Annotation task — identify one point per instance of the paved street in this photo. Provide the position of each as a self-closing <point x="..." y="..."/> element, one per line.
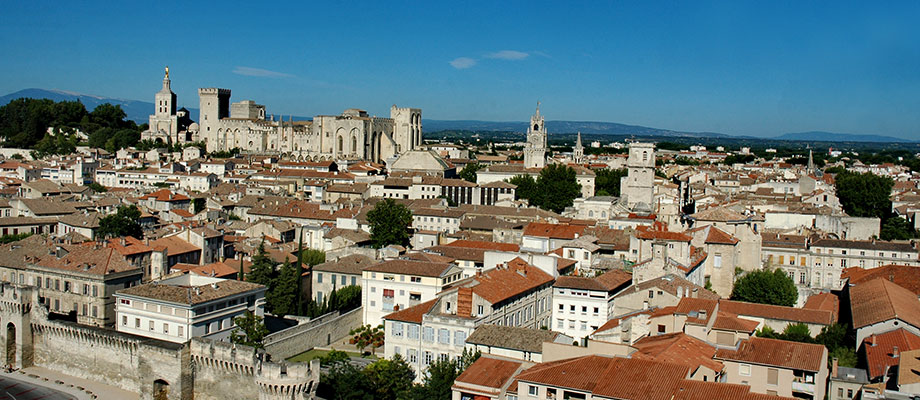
<point x="14" y="389"/>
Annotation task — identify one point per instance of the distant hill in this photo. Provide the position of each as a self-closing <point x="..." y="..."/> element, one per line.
<point x="137" y="111"/>
<point x="819" y="136"/>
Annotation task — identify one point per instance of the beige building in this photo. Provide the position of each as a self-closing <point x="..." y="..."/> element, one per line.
<point x="777" y="367"/>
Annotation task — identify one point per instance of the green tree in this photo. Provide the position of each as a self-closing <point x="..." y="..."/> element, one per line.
<point x="108" y="115"/>
<point x="864" y="195"/>
<point x="96" y="187"/>
<point x="389" y="222"/>
<point x="797" y="333"/>
<point x="281" y="298"/>
<point x="313" y="257"/>
<point x="846" y="357"/>
<point x="896" y="228"/>
<point x="198" y="204"/>
<point x="122" y="223"/>
<point x="332" y="357"/>
<point x="367" y="336"/>
<point x="468" y="173"/>
<point x="768" y="332"/>
<point x="250" y="330"/>
<point x="440" y="377"/>
<point x="390" y="379"/>
<point x="607" y="181"/>
<point x="526" y="187"/>
<point x="558" y="187"/>
<point x="14" y="237"/>
<point x="766" y="287"/>
<point x="262" y="270"/>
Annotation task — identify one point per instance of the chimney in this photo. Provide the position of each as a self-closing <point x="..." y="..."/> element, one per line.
<point x="834" y="367"/>
<point x="465" y="301"/>
<point x="894" y="352"/>
<point x="702" y="314"/>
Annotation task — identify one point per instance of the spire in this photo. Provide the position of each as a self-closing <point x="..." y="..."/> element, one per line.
<point x="538" y="108"/>
<point x="578" y="141"/>
<point x="811" y="162"/>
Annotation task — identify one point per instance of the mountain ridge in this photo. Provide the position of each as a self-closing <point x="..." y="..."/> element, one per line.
<point x="139" y="112"/>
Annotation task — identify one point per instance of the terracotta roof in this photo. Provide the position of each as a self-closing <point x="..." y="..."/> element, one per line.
<point x="478" y="244"/>
<point x="678" y="348"/>
<point x="717" y="236"/>
<point x="880" y="300"/>
<point x="612" y="377"/>
<point x="553" y="231"/>
<point x="182" y="213"/>
<point x="670" y="283"/>
<point x="511" y="337"/>
<point x="505" y="282"/>
<point x="173" y="245"/>
<point x="352" y="264"/>
<point x="779" y="353"/>
<point x="609" y="281"/>
<point x="718" y="214"/>
<point x="879" y="349"/>
<point x="489" y="372"/>
<point x="412" y="314"/>
<point x="410" y="267"/>
<point x="726" y="321"/>
<point x="697" y="390"/>
<point x="187" y="295"/>
<point x="905" y="276"/>
<point x="165" y="195"/>
<point x="909" y="368"/>
<point x="824" y="301"/>
<point x="220" y="269"/>
<point x="697" y="310"/>
<point x="820" y="317"/>
<point x="663" y="235"/>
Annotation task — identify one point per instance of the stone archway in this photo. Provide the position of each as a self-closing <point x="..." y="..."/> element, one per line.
<point x="10" y="344"/>
<point x="160" y="390"/>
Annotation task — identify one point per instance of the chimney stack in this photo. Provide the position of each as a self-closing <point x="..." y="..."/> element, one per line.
<point x="834" y="367"/>
<point x="894" y="352"/>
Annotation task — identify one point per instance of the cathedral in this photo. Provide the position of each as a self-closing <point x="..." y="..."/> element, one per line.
<point x="223" y="126"/>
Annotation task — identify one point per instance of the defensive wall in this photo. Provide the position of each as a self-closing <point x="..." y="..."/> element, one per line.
<point x="319" y="332"/>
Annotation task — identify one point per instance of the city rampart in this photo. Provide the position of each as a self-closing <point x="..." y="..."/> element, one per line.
<point x="319" y="332"/>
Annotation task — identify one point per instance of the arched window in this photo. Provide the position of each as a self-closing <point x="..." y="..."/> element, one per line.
<point x="644" y="156"/>
<point x="536" y="127"/>
<point x="340" y="144"/>
<point x="354" y="144"/>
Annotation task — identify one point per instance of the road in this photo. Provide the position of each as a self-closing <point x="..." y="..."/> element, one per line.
<point x="13" y="389"/>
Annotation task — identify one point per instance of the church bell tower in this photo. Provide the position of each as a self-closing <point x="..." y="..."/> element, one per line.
<point x="535" y="150"/>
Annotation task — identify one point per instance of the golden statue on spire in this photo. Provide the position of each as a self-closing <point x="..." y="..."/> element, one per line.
<point x="167" y="72"/>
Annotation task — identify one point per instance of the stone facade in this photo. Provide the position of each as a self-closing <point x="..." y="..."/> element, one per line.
<point x="535" y="150"/>
<point x="638" y="186"/>
<point x="199" y="369"/>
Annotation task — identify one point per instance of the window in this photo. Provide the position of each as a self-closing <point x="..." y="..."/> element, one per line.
<point x="137" y="323"/>
<point x="150" y="324"/>
<point x="717" y="261"/>
<point x="802" y="278"/>
<point x="413" y="331"/>
<point x="319" y="277"/>
<point x="459" y="338"/>
<point x="772" y="376"/>
<point x="95" y="291"/>
<point x="479" y="310"/>
<point x="651" y="294"/>
<point x="596" y="310"/>
<point x="744" y="369"/>
<point x="124" y="320"/>
<point x="561" y="324"/>
<point x="428" y="358"/>
<point x="532" y="390"/>
<point x="443" y="336"/>
<point x="413" y="355"/>
<point x="85" y="307"/>
<point x="571" y="253"/>
<point x="561" y="308"/>
<point x="180" y="331"/>
<point x="661" y="328"/>
<point x="415" y="279"/>
<point x="85" y="289"/>
<point x="165" y="328"/>
<point x="850" y="393"/>
<point x="344" y="282"/>
<point x="572" y="309"/>
<point x="397" y="329"/>
<point x="428" y="334"/>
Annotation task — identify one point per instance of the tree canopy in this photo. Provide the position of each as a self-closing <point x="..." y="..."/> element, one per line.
<point x="122" y="223"/>
<point x="607" y="181"/>
<point x="468" y="173"/>
<point x="389" y="222"/>
<point x="554" y="190"/>
<point x="250" y="330"/>
<point x="383" y="379"/>
<point x="864" y="195"/>
<point x="766" y="287"/>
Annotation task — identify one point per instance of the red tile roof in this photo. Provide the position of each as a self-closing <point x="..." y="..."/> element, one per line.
<point x="613" y="377"/>
<point x="489" y="372"/>
<point x="554" y="231"/>
<point x="779" y="353"/>
<point x="412" y="314"/>
<point x="905" y="276"/>
<point x="730" y="322"/>
<point x="793" y="314"/>
<point x="692" y="307"/>
<point x="663" y="235"/>
<point x="880" y="300"/>
<point x="613" y="279"/>
<point x="678" y="348"/>
<point x="165" y="195"/>
<point x="717" y="236"/>
<point x="506" y="282"/>
<point x="879" y="349"/>
<point x="478" y="244"/>
<point x="824" y="301"/>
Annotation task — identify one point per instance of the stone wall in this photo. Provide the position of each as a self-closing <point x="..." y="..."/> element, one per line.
<point x="319" y="332"/>
<point x="198" y="369"/>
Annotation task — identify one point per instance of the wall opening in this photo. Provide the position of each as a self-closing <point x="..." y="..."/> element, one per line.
<point x="10" y="344"/>
<point x="160" y="390"/>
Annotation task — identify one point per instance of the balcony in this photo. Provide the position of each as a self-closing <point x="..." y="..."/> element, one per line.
<point x="802" y="387"/>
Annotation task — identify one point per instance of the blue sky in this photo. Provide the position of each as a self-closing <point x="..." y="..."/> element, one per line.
<point x="744" y="68"/>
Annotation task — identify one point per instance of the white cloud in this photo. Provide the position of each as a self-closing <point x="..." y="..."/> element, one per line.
<point x="249" y="71"/>
<point x="508" y="55"/>
<point x="462" y="62"/>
